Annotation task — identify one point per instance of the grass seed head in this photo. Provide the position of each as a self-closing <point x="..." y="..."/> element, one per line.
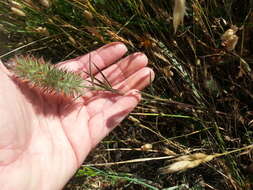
<point x="178" y="13"/>
<point x="16" y="4"/>
<point x="42" y="30"/>
<point x="88" y="15"/>
<point x="47" y="77"/>
<point x="45" y="3"/>
<point x="229" y="38"/>
<point x="146" y="147"/>
<point x="18" y="12"/>
<point x="186" y="162"/>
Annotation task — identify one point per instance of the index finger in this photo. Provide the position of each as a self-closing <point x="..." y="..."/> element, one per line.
<point x="95" y="61"/>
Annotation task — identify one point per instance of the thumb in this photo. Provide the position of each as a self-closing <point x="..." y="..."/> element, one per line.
<point x="105" y="121"/>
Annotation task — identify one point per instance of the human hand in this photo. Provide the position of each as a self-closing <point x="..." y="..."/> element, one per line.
<point x="43" y="143"/>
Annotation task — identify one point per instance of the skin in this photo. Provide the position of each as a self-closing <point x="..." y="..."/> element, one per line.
<point x="44" y="140"/>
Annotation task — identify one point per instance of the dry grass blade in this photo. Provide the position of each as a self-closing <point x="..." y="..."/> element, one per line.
<point x="130" y="161"/>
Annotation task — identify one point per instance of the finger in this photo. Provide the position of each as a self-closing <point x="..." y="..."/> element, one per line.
<point x="104" y="122"/>
<point x="138" y="80"/>
<point x="3" y="68"/>
<point x="123" y="69"/>
<point x="97" y="60"/>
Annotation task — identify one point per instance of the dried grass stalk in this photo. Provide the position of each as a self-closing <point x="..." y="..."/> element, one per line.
<point x="178" y="13"/>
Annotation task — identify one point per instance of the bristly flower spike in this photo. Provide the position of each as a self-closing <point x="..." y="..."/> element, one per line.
<point x="47" y="77"/>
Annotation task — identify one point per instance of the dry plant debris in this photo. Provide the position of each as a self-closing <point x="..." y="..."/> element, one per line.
<point x="229" y="38"/>
<point x="178" y="13"/>
<point x="183" y="163"/>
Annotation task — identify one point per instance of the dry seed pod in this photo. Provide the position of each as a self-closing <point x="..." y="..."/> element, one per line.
<point x="45" y="3"/>
<point x="18" y="12"/>
<point x="16" y="4"/>
<point x="42" y="30"/>
<point x="183" y="163"/>
<point x="229" y="38"/>
<point x="88" y="15"/>
<point x="179" y="166"/>
<point x="146" y="147"/>
<point x="178" y="13"/>
<point x="167" y="71"/>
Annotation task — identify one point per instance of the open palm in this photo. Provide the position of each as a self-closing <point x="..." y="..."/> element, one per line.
<point x="43" y="141"/>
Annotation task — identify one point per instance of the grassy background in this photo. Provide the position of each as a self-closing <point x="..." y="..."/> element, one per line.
<point x="200" y="101"/>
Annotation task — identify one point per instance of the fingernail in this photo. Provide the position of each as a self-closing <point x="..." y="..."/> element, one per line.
<point x="134" y="92"/>
<point x="120" y="46"/>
